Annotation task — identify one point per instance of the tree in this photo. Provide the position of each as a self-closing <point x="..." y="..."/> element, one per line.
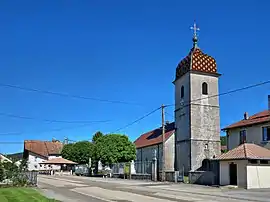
<point x="96" y="136"/>
<point x="1" y="172"/>
<point x="115" y="148"/>
<point x="67" y="152"/>
<point x="223" y="140"/>
<point x="80" y="152"/>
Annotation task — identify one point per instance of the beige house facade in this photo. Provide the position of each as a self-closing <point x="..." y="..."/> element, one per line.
<point x="251" y="129"/>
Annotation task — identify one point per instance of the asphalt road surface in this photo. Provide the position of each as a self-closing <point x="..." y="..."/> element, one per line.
<point x="85" y="189"/>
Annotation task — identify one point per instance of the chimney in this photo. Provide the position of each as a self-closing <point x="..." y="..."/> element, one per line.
<point x="268" y="102"/>
<point x="246" y="116"/>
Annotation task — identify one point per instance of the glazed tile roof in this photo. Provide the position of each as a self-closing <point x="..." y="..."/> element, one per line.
<point x="261" y="117"/>
<point x="196" y="60"/>
<point x="58" y="160"/>
<point x="155" y="136"/>
<point x="43" y="148"/>
<point x="246" y="151"/>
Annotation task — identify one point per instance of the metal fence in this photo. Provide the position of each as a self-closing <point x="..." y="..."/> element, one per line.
<point x="143" y="167"/>
<point x="31" y="177"/>
<point x="136" y="167"/>
<point x="120" y="168"/>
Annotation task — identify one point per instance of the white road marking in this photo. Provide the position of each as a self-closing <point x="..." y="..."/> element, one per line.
<point x="96" y="197"/>
<point x="61" y="179"/>
<point x="111" y="195"/>
<point x="58" y="183"/>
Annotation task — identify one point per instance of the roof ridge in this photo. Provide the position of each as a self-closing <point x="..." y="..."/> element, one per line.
<point x="245" y="152"/>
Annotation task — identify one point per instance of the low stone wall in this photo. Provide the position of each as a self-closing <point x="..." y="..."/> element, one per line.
<point x="202" y="177"/>
<point x="133" y="176"/>
<point x="170" y="176"/>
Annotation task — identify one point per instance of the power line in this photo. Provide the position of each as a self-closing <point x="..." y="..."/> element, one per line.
<point x="11" y="142"/>
<point x="221" y="94"/>
<point x="194" y="126"/>
<point x="137" y="120"/>
<point x="44" y="120"/>
<point x="65" y="94"/>
<point x="53" y="130"/>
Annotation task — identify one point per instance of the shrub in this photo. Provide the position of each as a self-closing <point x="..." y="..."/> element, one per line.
<point x="2" y="177"/>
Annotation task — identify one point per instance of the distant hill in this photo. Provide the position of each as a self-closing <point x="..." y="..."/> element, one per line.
<point x="15" y="156"/>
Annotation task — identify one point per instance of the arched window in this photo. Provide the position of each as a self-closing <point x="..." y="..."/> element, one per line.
<point x="182" y="91"/>
<point x="204" y="88"/>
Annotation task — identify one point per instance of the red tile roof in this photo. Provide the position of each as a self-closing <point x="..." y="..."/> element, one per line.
<point x="154" y="137"/>
<point x="246" y="151"/>
<point x="43" y="148"/>
<point x="261" y="117"/>
<point x="58" y="160"/>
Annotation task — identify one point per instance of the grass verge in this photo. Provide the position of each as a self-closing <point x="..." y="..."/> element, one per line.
<point x="15" y="194"/>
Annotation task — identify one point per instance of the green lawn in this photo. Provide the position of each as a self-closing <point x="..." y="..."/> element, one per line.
<point x="15" y="194"/>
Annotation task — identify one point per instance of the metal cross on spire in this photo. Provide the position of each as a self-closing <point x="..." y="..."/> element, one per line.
<point x="195" y="29"/>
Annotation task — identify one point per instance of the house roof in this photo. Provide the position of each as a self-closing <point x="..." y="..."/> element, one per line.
<point x="258" y="118"/>
<point x="58" y="160"/>
<point x="246" y="151"/>
<point x="155" y="136"/>
<point x="43" y="148"/>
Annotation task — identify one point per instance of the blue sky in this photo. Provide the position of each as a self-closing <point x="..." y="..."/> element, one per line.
<point x="126" y="51"/>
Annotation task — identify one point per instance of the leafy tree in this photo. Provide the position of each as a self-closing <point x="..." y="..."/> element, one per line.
<point x="11" y="170"/>
<point x="67" y="152"/>
<point x="223" y="140"/>
<point x="79" y="152"/>
<point x="96" y="136"/>
<point x="1" y="172"/>
<point x="115" y="148"/>
<point x="24" y="164"/>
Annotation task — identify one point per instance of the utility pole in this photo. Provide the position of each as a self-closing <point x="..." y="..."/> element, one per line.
<point x="163" y="141"/>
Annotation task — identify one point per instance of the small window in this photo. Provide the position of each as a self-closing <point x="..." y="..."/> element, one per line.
<point x="266" y="133"/>
<point x="182" y="91"/>
<point x="243" y="137"/>
<point x="252" y="161"/>
<point x="263" y="162"/>
<point x="206" y="146"/>
<point x="204" y="88"/>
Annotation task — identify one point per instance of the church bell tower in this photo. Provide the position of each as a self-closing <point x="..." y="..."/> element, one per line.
<point x="197" y="118"/>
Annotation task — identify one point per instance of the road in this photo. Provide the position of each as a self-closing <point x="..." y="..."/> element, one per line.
<point x="85" y="189"/>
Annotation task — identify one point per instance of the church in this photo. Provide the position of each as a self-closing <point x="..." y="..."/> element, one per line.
<point x="196" y="131"/>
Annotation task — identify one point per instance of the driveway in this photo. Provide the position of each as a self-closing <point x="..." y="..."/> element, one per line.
<point x="73" y="188"/>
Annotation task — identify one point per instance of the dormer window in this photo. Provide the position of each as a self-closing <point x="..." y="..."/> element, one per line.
<point x="182" y="91"/>
<point x="204" y="88"/>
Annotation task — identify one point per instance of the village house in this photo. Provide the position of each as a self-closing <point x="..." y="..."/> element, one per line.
<point x="251" y="129"/>
<point x="36" y="152"/>
<point x="151" y="142"/>
<point x="247" y="166"/>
